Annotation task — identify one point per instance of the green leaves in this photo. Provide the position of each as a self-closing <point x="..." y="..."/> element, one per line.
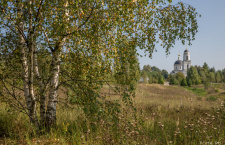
<point x="98" y="39"/>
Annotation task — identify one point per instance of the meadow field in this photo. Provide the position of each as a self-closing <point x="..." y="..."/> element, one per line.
<point x="163" y="115"/>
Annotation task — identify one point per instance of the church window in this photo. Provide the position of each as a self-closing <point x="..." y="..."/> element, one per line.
<point x="187" y="66"/>
<point x="180" y="67"/>
<point x="186" y="57"/>
<point x="176" y="67"/>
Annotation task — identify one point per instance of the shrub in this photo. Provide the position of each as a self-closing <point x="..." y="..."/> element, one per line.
<point x="211" y="98"/>
<point x="183" y="82"/>
<point x="189" y="82"/>
<point x="174" y="81"/>
<point x="161" y="81"/>
<point x="217" y="90"/>
<point x="197" y="91"/>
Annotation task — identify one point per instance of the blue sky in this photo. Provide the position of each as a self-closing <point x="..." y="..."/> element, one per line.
<point x="209" y="45"/>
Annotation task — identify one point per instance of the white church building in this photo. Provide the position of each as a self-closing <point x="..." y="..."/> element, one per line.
<point x="182" y="66"/>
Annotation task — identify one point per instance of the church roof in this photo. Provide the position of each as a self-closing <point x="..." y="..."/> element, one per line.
<point x="178" y="62"/>
<point x="186" y="50"/>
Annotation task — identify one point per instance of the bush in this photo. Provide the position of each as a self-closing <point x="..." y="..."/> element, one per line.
<point x="197" y="91"/>
<point x="183" y="82"/>
<point x="161" y="81"/>
<point x="211" y="98"/>
<point x="174" y="81"/>
<point x="189" y="82"/>
<point x="217" y="90"/>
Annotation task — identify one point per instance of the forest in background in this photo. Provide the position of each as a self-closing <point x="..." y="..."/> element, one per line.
<point x="195" y="75"/>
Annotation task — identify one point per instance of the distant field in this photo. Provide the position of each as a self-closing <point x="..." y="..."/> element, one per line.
<point x="176" y="96"/>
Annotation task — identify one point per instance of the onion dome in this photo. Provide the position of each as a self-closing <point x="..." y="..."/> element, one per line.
<point x="178" y="62"/>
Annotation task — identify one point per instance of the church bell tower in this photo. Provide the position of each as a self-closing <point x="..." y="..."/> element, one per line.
<point x="186" y="62"/>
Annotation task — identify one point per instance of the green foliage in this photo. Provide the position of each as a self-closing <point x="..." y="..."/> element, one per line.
<point x="147" y="68"/>
<point x="205" y="67"/>
<point x="154" y="74"/>
<point x="211" y="98"/>
<point x="203" y="76"/>
<point x="183" y="82"/>
<point x="193" y="76"/>
<point x="179" y="76"/>
<point x="223" y="75"/>
<point x="217" y="90"/>
<point x="218" y="77"/>
<point x="161" y="81"/>
<point x="173" y="81"/>
<point x="197" y="91"/>
<point x="165" y="74"/>
<point x="213" y="70"/>
<point x="144" y="76"/>
<point x="83" y="46"/>
<point x="206" y="84"/>
<point x="189" y="82"/>
<point x="212" y="76"/>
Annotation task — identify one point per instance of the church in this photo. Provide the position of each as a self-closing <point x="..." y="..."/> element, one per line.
<point x="182" y="66"/>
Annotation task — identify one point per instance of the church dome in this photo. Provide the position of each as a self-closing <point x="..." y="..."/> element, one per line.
<point x="178" y="62"/>
<point x="186" y="50"/>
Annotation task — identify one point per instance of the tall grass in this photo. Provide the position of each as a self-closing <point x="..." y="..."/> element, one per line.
<point x="165" y="115"/>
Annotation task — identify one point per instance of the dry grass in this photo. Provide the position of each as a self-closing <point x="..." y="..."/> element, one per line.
<point x="169" y="96"/>
<point x="170" y="115"/>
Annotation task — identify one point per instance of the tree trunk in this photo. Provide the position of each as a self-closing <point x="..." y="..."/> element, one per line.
<point x="53" y="88"/>
<point x="54" y="81"/>
<point x="31" y="67"/>
<point x="21" y="46"/>
<point x="42" y="93"/>
<point x="27" y="66"/>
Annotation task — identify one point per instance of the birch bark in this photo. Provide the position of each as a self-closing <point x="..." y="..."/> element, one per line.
<point x="53" y="88"/>
<point x="21" y="46"/>
<point x="27" y="64"/>
<point x="42" y="89"/>
<point x="54" y="81"/>
<point x="31" y="67"/>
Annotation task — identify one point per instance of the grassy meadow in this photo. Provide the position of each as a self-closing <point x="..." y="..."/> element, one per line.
<point x="165" y="115"/>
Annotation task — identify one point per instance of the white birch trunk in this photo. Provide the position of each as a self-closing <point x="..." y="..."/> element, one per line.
<point x="31" y="67"/>
<point x="27" y="66"/>
<point x="53" y="88"/>
<point x="54" y="81"/>
<point x="23" y="57"/>
<point x="41" y="90"/>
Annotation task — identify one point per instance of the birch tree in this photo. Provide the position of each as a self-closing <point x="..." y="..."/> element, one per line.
<point x="92" y="31"/>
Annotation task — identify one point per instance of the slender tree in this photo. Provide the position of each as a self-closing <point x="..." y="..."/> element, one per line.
<point x="92" y="29"/>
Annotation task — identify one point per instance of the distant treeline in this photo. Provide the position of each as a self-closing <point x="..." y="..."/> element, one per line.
<point x="195" y="75"/>
<point x="153" y="75"/>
